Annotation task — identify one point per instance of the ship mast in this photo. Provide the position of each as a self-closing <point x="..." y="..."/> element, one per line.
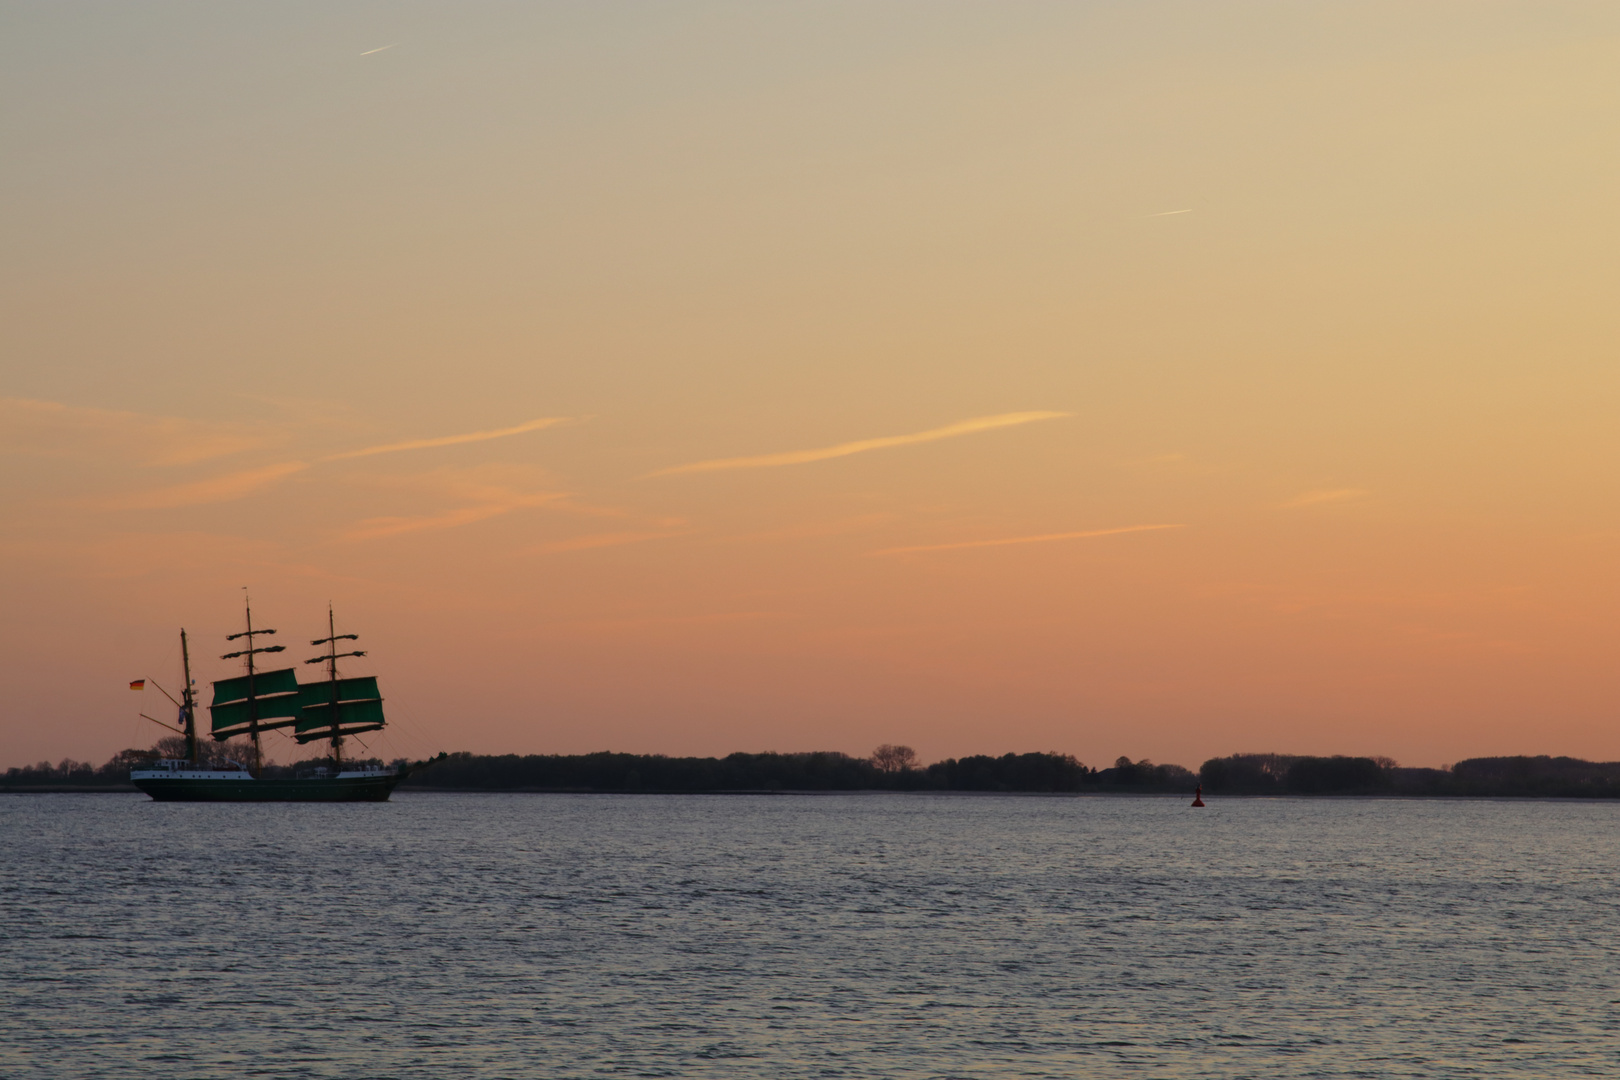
<point x="252" y="699"/>
<point x="330" y="660"/>
<point x="188" y="702"/>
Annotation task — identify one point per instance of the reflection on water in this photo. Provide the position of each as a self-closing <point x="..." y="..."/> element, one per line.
<point x="859" y="936"/>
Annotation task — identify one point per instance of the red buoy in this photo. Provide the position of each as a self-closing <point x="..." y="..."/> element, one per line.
<point x="1198" y="796"/>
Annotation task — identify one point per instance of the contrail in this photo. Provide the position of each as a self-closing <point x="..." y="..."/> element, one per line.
<point x="380" y="48"/>
<point x="800" y="457"/>
<point x="1170" y="213"/>
<point x="1043" y="538"/>
<point x="450" y="440"/>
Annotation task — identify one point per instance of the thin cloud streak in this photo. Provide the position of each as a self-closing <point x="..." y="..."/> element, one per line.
<point x="656" y="622"/>
<point x="801" y="457"/>
<point x="380" y="48"/>
<point x="812" y="530"/>
<point x="52" y="429"/>
<point x="225" y="488"/>
<point x="450" y="440"/>
<point x="1041" y="539"/>
<point x="376" y="528"/>
<point x="1333" y="495"/>
<point x="601" y="540"/>
<point x="239" y="484"/>
<point x="1170" y="213"/>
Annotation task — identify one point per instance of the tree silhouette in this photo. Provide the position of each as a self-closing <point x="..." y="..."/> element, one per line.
<point x="894" y="759"/>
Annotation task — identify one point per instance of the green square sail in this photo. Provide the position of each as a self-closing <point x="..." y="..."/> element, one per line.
<point x="320" y="693"/>
<point x="315" y="721"/>
<point x="361" y="689"/>
<point x="274" y="712"/>
<point x="312" y="736"/>
<point x="280" y="681"/>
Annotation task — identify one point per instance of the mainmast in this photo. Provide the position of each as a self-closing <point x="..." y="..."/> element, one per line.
<point x="252" y="699"/>
<point x="335" y="730"/>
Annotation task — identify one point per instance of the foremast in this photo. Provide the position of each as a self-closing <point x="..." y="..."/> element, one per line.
<point x="334" y="717"/>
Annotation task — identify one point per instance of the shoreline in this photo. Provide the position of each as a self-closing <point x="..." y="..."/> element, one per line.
<point x="1367" y="796"/>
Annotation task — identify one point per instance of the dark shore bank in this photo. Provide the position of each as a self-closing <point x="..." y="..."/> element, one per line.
<point x="1239" y="774"/>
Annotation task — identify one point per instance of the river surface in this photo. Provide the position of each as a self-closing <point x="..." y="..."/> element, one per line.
<point x="808" y="936"/>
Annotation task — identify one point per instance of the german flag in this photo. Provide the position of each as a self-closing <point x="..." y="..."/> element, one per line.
<point x="138" y="684"/>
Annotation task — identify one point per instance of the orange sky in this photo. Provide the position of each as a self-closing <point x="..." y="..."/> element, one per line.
<point x="1161" y="379"/>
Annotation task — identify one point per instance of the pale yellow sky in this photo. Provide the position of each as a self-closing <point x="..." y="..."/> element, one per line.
<point x="1149" y="379"/>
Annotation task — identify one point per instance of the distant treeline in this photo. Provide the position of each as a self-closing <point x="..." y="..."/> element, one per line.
<point x="1282" y="774"/>
<point x="70" y="775"/>
<point x="1240" y="774"/>
<point x="895" y="768"/>
<point x="823" y="771"/>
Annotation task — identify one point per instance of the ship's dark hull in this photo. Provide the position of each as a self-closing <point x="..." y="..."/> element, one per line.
<point x="328" y="789"/>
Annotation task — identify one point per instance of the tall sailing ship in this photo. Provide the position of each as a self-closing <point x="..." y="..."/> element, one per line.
<point x="333" y="709"/>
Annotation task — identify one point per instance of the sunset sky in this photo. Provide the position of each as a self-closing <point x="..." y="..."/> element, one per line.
<point x="1159" y="379"/>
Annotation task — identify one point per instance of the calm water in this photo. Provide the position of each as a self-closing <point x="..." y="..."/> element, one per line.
<point x="847" y="936"/>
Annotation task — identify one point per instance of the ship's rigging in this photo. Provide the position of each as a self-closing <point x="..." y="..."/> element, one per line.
<point x="337" y="707"/>
<point x="333" y="709"/>
<point x="262" y="701"/>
